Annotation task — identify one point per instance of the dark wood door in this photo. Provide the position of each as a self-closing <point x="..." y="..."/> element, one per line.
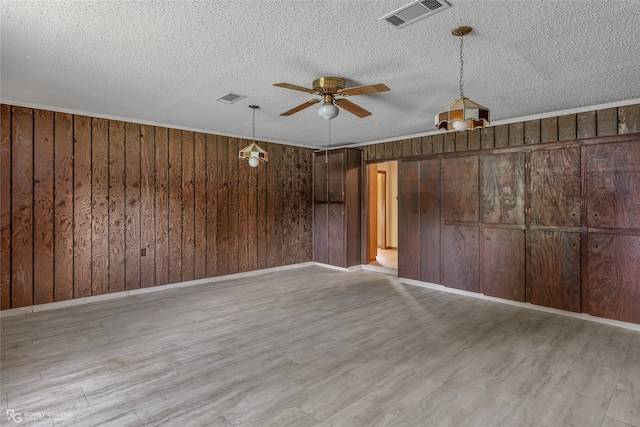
<point x="320" y="176"/>
<point x="555" y="187"/>
<point x="337" y="245"/>
<point x="409" y="219"/>
<point x="555" y="269"/>
<point x="502" y="185"/>
<point x="430" y="220"/>
<point x="320" y="232"/>
<point x="460" y="189"/>
<point x="460" y="257"/>
<point x="613" y="183"/>
<point x="613" y="276"/>
<point x="503" y="263"/>
<point x="337" y="173"/>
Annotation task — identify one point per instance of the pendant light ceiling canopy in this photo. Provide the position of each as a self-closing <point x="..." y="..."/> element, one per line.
<point x="462" y="114"/>
<point x="252" y="152"/>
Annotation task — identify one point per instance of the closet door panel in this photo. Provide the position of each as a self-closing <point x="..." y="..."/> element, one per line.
<point x="502" y="184"/>
<point x="430" y="220"/>
<point x="503" y="263"/>
<point x="409" y="220"/>
<point x="460" y="266"/>
<point x="460" y="189"/>
<point x="555" y="269"/>
<point x="555" y="187"/>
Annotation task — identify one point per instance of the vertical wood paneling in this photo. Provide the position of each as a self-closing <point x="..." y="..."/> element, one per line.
<point x="427" y="144"/>
<point x="549" y="129"/>
<point x="211" y="149"/>
<point x="43" y="206"/>
<point x="474" y="139"/>
<point x="81" y="206"/>
<point x="307" y="229"/>
<point x="147" y="206"/>
<point x="188" y="206"/>
<point x="132" y="205"/>
<point x="175" y="206"/>
<point x="233" y="204"/>
<point x="63" y="227"/>
<point x="607" y="122"/>
<point x="297" y="217"/>
<point x="532" y="132"/>
<point x="501" y="133"/>
<point x="22" y="207"/>
<point x="567" y="127"/>
<point x="162" y="205"/>
<point x="244" y="170"/>
<point x="516" y="134"/>
<point x="5" y="206"/>
<point x="586" y="124"/>
<point x="449" y="142"/>
<point x="629" y="119"/>
<point x="99" y="206"/>
<point x="397" y="148"/>
<point x="222" y="214"/>
<point x="416" y="147"/>
<point x="438" y="143"/>
<point x="95" y="193"/>
<point x="200" y="182"/>
<point x="487" y="137"/>
<point x="287" y="219"/>
<point x="117" y="235"/>
<point x="462" y="141"/>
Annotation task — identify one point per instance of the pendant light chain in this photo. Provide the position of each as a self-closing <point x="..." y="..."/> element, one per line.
<point x="254" y="125"/>
<point x="461" y="67"/>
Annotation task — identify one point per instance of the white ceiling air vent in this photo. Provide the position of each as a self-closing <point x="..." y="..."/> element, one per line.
<point x="230" y="98"/>
<point x="414" y="12"/>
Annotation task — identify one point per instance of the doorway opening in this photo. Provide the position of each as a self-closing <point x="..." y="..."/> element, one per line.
<point x="382" y="215"/>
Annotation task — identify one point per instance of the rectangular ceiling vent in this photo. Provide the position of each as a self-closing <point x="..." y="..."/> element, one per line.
<point x="230" y="98"/>
<point x="414" y="12"/>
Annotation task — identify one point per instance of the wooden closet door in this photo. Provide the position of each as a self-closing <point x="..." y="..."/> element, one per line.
<point x="430" y="207"/>
<point x="460" y="189"/>
<point x="555" y="188"/>
<point x="409" y="219"/>
<point x="460" y="257"/>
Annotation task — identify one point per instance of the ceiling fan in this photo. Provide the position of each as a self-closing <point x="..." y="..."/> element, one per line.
<point x="328" y="88"/>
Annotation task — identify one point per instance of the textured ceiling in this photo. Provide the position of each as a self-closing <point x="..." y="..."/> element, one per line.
<point x="165" y="62"/>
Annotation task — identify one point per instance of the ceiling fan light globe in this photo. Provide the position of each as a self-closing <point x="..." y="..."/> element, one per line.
<point x="328" y="111"/>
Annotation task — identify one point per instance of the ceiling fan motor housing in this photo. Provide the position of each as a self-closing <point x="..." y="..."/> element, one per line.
<point x="328" y="84"/>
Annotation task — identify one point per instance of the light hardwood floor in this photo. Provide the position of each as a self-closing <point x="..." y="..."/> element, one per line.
<point x="316" y="347"/>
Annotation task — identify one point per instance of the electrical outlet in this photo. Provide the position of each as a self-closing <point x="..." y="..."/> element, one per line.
<point x="143" y="252"/>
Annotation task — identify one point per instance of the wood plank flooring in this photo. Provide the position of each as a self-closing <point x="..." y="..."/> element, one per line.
<point x="316" y="347"/>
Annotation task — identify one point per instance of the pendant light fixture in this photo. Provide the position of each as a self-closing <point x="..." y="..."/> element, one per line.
<point x="462" y="114"/>
<point x="253" y="152"/>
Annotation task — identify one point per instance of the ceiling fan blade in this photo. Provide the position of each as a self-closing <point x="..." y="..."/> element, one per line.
<point x="352" y="108"/>
<point x="294" y="87"/>
<point x="300" y="107"/>
<point x="361" y="90"/>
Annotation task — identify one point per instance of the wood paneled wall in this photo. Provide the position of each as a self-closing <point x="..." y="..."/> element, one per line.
<point x="90" y="206"/>
<point x="606" y="122"/>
